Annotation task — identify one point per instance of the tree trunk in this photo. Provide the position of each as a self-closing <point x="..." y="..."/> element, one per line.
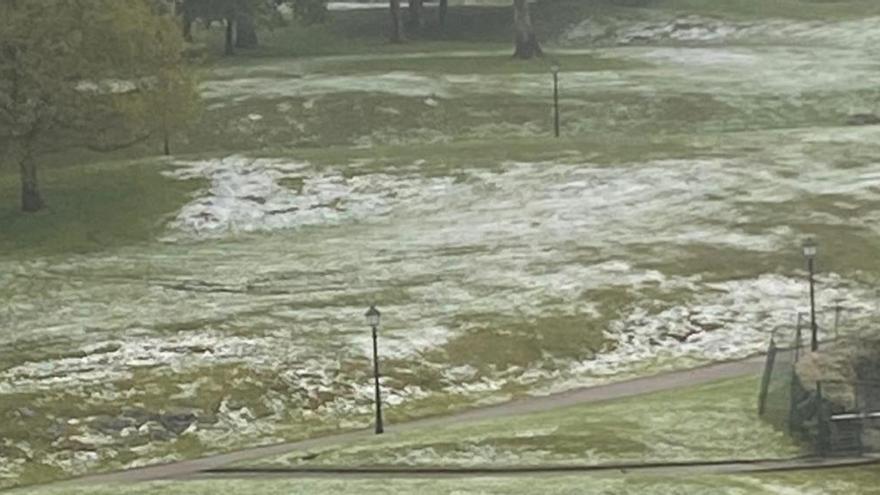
<point x="414" y="20"/>
<point x="526" y="42"/>
<point x="442" y="8"/>
<point x="245" y="32"/>
<point x="21" y="151"/>
<point x="187" y="28"/>
<point x="230" y="36"/>
<point x="166" y="143"/>
<point x="188" y="18"/>
<point x="396" y="23"/>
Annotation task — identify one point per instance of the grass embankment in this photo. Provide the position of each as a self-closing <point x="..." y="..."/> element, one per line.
<point x="863" y="481"/>
<point x="709" y="422"/>
<point x="489" y="27"/>
<point x="108" y="205"/>
<point x="115" y="203"/>
<point x="104" y="206"/>
<point x="762" y="9"/>
<point x="90" y="208"/>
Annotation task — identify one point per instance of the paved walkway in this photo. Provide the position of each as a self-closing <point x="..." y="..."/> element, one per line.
<point x="629" y="388"/>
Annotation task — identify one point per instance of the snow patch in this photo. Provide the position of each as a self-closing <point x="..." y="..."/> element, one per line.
<point x="246" y="195"/>
<point x="700" y="29"/>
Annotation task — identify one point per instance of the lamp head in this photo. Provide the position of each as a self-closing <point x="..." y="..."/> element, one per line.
<point x="810" y="248"/>
<point x="373" y="315"/>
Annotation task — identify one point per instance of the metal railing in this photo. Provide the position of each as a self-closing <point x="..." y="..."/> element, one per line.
<point x="837" y="417"/>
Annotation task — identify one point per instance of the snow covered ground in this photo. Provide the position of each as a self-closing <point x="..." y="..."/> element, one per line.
<point x="243" y="323"/>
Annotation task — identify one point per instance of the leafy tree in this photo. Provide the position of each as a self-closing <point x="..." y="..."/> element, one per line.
<point x="170" y="100"/>
<point x="93" y="73"/>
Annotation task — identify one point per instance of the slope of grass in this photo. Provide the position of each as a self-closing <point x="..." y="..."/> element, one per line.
<point x="863" y="481"/>
<point x="708" y="422"/>
<point x="90" y="208"/>
<point x="757" y="9"/>
<point x="490" y="27"/>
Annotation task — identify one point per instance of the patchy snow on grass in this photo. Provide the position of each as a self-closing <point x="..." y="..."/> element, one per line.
<point x="308" y="86"/>
<point x="445" y="252"/>
<point x="116" y="359"/>
<point x="700" y="29"/>
<point x="246" y="196"/>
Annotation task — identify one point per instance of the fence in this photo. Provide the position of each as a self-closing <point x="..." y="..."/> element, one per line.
<point x="836" y="417"/>
<point x="849" y="417"/>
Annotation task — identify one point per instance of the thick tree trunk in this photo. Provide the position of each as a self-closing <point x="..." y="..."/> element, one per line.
<point x="21" y="151"/>
<point x="442" y="8"/>
<point x="396" y="22"/>
<point x="414" y="20"/>
<point x="526" y="42"/>
<point x="230" y="36"/>
<point x="245" y="32"/>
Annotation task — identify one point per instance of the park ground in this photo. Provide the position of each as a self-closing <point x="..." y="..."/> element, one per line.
<point x="167" y="308"/>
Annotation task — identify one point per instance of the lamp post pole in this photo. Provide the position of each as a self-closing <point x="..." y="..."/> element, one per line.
<point x="810" y="254"/>
<point x="814" y="341"/>
<point x="373" y="319"/>
<point x="555" y="70"/>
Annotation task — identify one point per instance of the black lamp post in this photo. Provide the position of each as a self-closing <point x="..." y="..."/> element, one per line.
<point x="373" y="316"/>
<point x="555" y="70"/>
<point x="810" y="254"/>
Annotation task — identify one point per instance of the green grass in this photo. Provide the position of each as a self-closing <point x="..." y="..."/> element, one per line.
<point x="826" y="10"/>
<point x="490" y="27"/>
<point x="365" y="32"/>
<point x="495" y="342"/>
<point x="91" y="208"/>
<point x="480" y="64"/>
<point x="109" y="204"/>
<point x="708" y="422"/>
<point x="862" y="481"/>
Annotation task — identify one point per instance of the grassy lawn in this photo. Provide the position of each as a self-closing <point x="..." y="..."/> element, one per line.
<point x="451" y="130"/>
<point x="786" y="9"/>
<point x="716" y="421"/>
<point x="863" y="481"/>
<point x="91" y="208"/>
<point x="489" y="27"/>
<point x="478" y="64"/>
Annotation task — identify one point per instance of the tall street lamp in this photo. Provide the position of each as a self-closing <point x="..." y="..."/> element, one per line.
<point x="555" y="70"/>
<point x="373" y="316"/>
<point x="810" y="254"/>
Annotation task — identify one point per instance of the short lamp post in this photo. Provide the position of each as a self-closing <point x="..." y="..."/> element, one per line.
<point x="810" y="254"/>
<point x="373" y="316"/>
<point x="555" y="70"/>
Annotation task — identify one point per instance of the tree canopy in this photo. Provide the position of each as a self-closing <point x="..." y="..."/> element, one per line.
<point x="86" y="73"/>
